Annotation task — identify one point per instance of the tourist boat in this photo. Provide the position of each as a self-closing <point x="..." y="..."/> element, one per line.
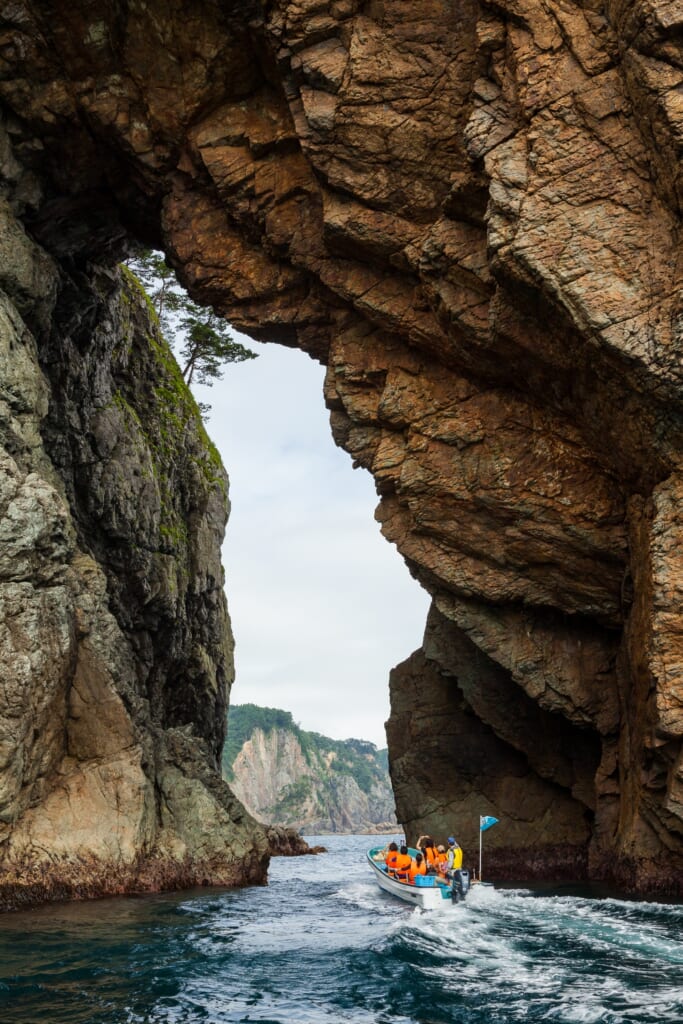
<point x="426" y="893"/>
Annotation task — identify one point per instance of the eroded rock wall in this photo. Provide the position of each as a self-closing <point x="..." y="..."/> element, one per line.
<point x="471" y="212"/>
<point x="281" y="784"/>
<point x="116" y="647"/>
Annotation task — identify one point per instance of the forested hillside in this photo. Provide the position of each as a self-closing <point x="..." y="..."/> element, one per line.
<point x="286" y="775"/>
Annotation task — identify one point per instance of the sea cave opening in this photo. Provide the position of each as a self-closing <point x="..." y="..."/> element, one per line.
<point x="322" y="607"/>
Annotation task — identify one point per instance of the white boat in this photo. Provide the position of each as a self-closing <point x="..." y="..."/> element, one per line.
<point x="426" y="893"/>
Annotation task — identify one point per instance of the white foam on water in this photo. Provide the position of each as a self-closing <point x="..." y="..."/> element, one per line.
<point x="213" y="1005"/>
<point x="603" y="926"/>
<point x="289" y="936"/>
<point x="581" y="1014"/>
<point x="473" y="954"/>
<point x="556" y="958"/>
<point x="368" y="896"/>
<point x="636" y="908"/>
<point x="612" y="1001"/>
<point x="505" y="955"/>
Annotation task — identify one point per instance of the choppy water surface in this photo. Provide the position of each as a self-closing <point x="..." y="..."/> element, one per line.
<point x="323" y="944"/>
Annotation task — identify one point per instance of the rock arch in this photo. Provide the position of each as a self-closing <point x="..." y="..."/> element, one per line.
<point x="470" y="213"/>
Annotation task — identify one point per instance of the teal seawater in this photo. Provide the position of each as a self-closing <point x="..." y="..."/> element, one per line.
<point x="322" y="944"/>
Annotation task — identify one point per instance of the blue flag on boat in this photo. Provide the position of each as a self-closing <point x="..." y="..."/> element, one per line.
<point x="485" y="821"/>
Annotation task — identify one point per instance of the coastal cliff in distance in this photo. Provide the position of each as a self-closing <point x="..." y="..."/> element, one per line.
<point x="471" y="213"/>
<point x="287" y="776"/>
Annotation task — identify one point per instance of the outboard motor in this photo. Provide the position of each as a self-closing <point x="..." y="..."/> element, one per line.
<point x="460" y="885"/>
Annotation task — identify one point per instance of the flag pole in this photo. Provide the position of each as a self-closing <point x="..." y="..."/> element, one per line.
<point x="485" y="821"/>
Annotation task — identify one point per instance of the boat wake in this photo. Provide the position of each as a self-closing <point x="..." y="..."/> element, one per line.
<point x="323" y="943"/>
<point x="554" y="958"/>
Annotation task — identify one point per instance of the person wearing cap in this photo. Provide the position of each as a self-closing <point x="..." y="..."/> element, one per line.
<point x="454" y="855"/>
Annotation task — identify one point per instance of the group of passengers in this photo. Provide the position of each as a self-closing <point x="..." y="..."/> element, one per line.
<point x="429" y="860"/>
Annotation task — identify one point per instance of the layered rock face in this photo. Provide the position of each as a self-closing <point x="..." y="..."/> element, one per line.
<point x="471" y="213"/>
<point x="278" y="782"/>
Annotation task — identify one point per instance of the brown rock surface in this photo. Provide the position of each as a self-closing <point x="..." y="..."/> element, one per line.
<point x="286" y="842"/>
<point x="471" y="213"/>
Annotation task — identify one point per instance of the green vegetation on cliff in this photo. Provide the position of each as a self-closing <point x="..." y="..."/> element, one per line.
<point x="358" y="758"/>
<point x="200" y="338"/>
<point x="330" y="785"/>
<point x="243" y="720"/>
<point x="166" y="417"/>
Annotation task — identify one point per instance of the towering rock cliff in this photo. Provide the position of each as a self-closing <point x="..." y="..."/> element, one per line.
<point x="470" y="211"/>
<point x="302" y="780"/>
<point x="116" y="653"/>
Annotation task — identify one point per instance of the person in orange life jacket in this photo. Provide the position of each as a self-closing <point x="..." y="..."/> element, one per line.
<point x="441" y="865"/>
<point x="426" y="845"/>
<point x="417" y="867"/>
<point x="454" y="855"/>
<point x="391" y="857"/>
<point x="402" y="864"/>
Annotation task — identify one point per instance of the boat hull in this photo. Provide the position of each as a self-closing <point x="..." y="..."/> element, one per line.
<point x="427" y="898"/>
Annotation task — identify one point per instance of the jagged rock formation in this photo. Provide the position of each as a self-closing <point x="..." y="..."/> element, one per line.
<point x="471" y="212"/>
<point x="292" y="778"/>
<point x="116" y="646"/>
<point x="285" y="842"/>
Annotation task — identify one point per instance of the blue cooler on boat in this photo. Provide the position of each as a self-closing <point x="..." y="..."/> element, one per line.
<point x="425" y="881"/>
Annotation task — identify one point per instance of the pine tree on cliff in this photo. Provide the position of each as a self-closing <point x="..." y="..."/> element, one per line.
<point x="200" y="337"/>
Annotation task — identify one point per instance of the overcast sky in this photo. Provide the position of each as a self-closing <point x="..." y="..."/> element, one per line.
<point x="322" y="606"/>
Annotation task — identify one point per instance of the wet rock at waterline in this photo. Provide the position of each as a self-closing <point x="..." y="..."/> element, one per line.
<point x="472" y="215"/>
